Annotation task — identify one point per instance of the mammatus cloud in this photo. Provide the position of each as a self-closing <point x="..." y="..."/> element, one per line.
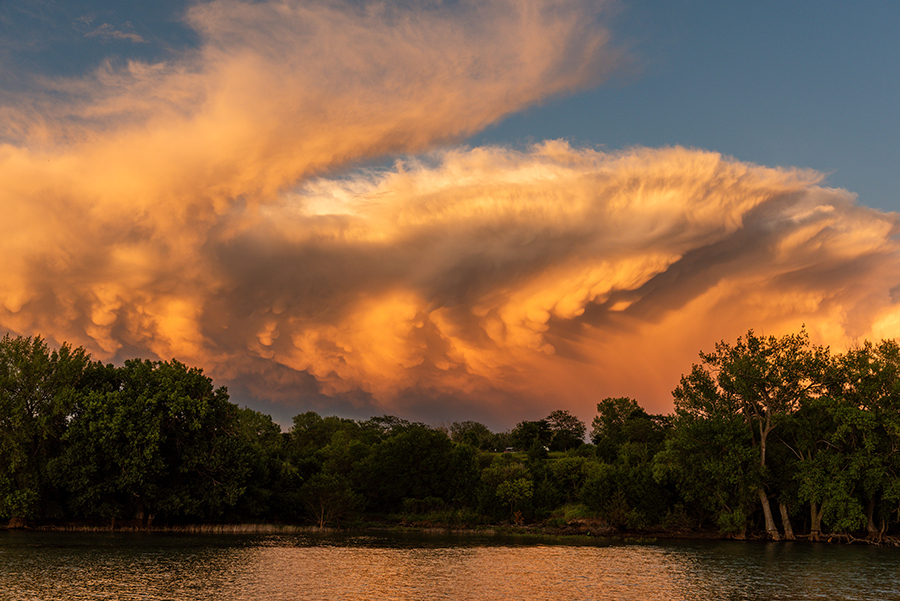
<point x="209" y="210"/>
<point x="556" y="275"/>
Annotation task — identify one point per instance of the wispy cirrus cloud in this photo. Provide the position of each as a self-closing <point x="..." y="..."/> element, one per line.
<point x="108" y="32"/>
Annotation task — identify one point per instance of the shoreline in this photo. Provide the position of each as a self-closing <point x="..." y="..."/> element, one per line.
<point x="560" y="535"/>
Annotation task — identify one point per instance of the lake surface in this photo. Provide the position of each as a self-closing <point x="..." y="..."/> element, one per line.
<point x="123" y="566"/>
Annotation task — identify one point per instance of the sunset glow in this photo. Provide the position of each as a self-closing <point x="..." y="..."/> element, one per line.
<point x="292" y="206"/>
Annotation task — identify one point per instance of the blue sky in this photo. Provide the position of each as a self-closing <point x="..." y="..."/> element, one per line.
<point x="803" y="83"/>
<point x="812" y="84"/>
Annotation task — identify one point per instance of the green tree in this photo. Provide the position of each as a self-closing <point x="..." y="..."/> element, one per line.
<point x="817" y="472"/>
<point x="514" y="493"/>
<point x="329" y="497"/>
<point x="463" y="476"/>
<point x="569" y="474"/>
<point x="163" y="441"/>
<point x="567" y="431"/>
<point x="764" y="379"/>
<point x="709" y="458"/>
<point x="504" y="468"/>
<point x="621" y="420"/>
<point x="312" y="432"/>
<point x="528" y="435"/>
<point x="867" y="430"/>
<point x="607" y="428"/>
<point x="260" y="446"/>
<point x="474" y="434"/>
<point x="623" y="488"/>
<point x="415" y="463"/>
<point x="38" y="388"/>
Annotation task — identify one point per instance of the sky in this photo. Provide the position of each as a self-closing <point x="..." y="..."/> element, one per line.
<point x="447" y="210"/>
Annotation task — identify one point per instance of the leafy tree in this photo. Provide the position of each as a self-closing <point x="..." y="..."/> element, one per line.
<point x="570" y="474"/>
<point x="261" y="448"/>
<point x="474" y="434"/>
<point x="415" y="463"/>
<point x="344" y="453"/>
<point x="623" y="488"/>
<point x="607" y="428"/>
<point x="503" y="468"/>
<point x="38" y="388"/>
<point x="463" y="475"/>
<point x="621" y="420"/>
<point x="164" y="441"/>
<point x="514" y="493"/>
<point x="311" y="432"/>
<point x="868" y="431"/>
<point x="527" y="435"/>
<point x="329" y="497"/>
<point x="763" y="379"/>
<point x="817" y="473"/>
<point x="567" y="431"/>
<point x="709" y="458"/>
<point x="311" y="442"/>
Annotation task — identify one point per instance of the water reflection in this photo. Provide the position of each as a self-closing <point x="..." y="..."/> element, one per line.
<point x="154" y="567"/>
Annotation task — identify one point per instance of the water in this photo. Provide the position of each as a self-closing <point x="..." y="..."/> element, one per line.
<point x="128" y="566"/>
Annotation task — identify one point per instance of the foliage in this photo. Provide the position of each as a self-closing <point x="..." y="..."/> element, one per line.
<point x="261" y="447"/>
<point x="163" y="441"/>
<point x="760" y="421"/>
<point x="621" y="420"/>
<point x="416" y="462"/>
<point x="515" y="492"/>
<point x="567" y="431"/>
<point x="38" y="388"/>
<point x="328" y="497"/>
<point x="712" y="465"/>
<point x="474" y="434"/>
<point x="762" y="380"/>
<point x="528" y="435"/>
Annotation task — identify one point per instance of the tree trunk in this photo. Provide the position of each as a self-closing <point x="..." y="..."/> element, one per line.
<point x="321" y="512"/>
<point x="786" y="521"/>
<point x="815" y="515"/>
<point x="872" y="530"/>
<point x="767" y="512"/>
<point x="17" y="522"/>
<point x="142" y="518"/>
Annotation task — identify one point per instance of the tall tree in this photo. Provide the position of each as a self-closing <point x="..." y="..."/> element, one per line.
<point x="621" y="420"/>
<point x="474" y="434"/>
<point x="567" y="430"/>
<point x="531" y="435"/>
<point x="709" y="458"/>
<point x="764" y="378"/>
<point x="415" y="463"/>
<point x="869" y="382"/>
<point x="38" y="388"/>
<point x="163" y="441"/>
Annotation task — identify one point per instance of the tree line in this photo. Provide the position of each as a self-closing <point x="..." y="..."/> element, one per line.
<point x="769" y="434"/>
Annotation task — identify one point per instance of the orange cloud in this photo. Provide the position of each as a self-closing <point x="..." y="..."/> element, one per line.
<point x="113" y="182"/>
<point x="208" y="209"/>
<point x="554" y="276"/>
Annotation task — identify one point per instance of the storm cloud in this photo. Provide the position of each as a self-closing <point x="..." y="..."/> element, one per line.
<point x="218" y="208"/>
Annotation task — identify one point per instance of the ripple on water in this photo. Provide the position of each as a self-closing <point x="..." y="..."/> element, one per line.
<point x="125" y="567"/>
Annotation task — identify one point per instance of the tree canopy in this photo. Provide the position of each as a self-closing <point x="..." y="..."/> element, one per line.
<point x="760" y="423"/>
